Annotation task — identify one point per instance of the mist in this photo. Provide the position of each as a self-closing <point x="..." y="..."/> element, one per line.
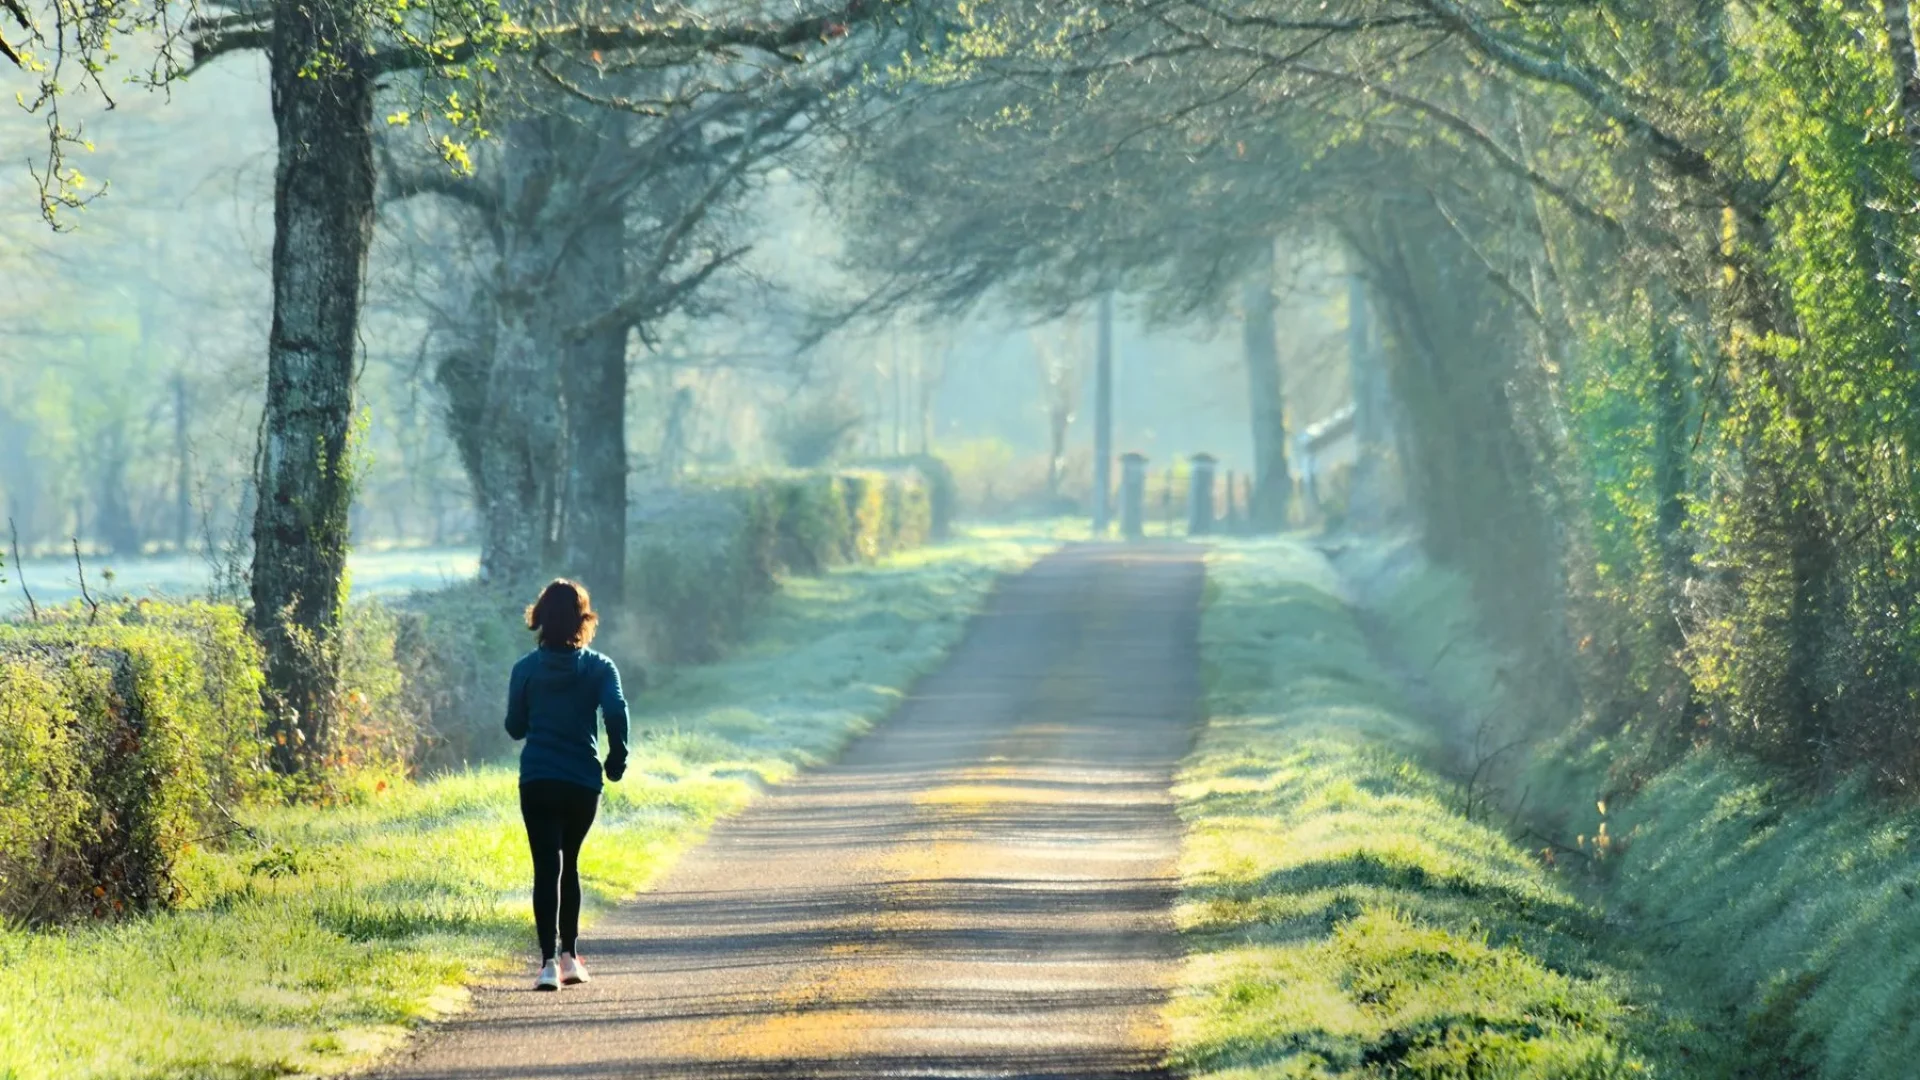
<point x="953" y="539"/>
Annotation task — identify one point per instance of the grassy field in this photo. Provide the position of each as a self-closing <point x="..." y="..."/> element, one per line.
<point x="55" y="580"/>
<point x="317" y="940"/>
<point x="1344" y="918"/>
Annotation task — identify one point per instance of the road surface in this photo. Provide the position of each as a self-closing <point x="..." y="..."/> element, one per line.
<point x="982" y="887"/>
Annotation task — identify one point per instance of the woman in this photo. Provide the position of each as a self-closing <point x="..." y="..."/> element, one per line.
<point x="551" y="701"/>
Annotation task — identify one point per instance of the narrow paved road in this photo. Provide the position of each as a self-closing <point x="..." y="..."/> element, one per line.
<point x="981" y="888"/>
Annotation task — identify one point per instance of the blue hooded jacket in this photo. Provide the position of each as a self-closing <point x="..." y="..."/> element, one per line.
<point x="551" y="701"/>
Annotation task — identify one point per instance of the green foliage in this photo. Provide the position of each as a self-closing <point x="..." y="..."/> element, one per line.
<point x="1789" y="914"/>
<point x="942" y="488"/>
<point x="128" y="736"/>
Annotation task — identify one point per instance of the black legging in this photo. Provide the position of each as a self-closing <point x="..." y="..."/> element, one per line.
<point x="558" y="815"/>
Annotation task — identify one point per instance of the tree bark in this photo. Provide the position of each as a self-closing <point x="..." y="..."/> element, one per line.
<point x="594" y="385"/>
<point x="182" y="467"/>
<point x="323" y="220"/>
<point x="520" y="438"/>
<point x="113" y="525"/>
<point x="1266" y="400"/>
<point x="1103" y="420"/>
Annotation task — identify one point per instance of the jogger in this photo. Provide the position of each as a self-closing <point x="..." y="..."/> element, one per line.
<point x="558" y="697"/>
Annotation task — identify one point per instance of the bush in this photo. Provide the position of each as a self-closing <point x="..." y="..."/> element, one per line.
<point x="120" y="745"/>
<point x="452" y="650"/>
<point x="942" y="488"/>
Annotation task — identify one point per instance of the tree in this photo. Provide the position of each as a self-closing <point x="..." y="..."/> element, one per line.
<point x="602" y="212"/>
<point x="1272" y="482"/>
<point x="324" y="64"/>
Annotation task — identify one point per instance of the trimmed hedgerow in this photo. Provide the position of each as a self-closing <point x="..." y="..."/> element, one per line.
<point x="123" y="737"/>
<point x="702" y="556"/>
<point x="936" y="477"/>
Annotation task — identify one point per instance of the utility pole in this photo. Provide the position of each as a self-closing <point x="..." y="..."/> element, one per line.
<point x="899" y="395"/>
<point x="1103" y="419"/>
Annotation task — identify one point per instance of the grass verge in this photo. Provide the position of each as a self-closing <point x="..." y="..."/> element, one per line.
<point x="320" y="937"/>
<point x="1343" y="918"/>
<point x="1788" y="918"/>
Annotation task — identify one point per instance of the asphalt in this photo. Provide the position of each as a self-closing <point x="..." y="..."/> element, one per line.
<point x="981" y="887"/>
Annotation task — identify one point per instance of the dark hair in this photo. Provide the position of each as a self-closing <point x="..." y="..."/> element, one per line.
<point x="563" y="616"/>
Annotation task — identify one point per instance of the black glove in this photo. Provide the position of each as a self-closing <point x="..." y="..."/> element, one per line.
<point x="616" y="768"/>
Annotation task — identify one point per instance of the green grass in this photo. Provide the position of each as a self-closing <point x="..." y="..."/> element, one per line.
<point x="1790" y="920"/>
<point x="1801" y="916"/>
<point x="324" y="940"/>
<point x="1343" y="918"/>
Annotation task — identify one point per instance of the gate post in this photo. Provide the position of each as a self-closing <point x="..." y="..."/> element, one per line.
<point x="1200" y="495"/>
<point x="1133" y="495"/>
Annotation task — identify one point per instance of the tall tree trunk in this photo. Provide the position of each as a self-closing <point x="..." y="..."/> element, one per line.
<point x="1266" y="399"/>
<point x="927" y="387"/>
<point x="323" y="223"/>
<point x="114" y="527"/>
<point x="1103" y="419"/>
<point x="1059" y="421"/>
<point x="520" y="438"/>
<point x="1367" y="371"/>
<point x="1372" y="499"/>
<point x="594" y="385"/>
<point x="182" y="468"/>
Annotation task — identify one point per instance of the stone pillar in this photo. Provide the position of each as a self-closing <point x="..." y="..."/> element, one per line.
<point x="1200" y="495"/>
<point x="1166" y="500"/>
<point x="1133" y="495"/>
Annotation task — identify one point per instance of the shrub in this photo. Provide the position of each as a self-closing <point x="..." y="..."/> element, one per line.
<point x="452" y="649"/>
<point x="122" y="742"/>
<point x="940" y="482"/>
<point x="812" y="525"/>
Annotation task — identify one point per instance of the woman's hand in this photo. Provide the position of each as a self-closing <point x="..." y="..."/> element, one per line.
<point x="616" y="768"/>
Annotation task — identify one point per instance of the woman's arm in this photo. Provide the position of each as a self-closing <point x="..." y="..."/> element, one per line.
<point x="613" y="710"/>
<point x="517" y="718"/>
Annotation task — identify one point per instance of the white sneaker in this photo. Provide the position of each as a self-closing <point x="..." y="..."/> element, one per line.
<point x="549" y="977"/>
<point x="572" y="971"/>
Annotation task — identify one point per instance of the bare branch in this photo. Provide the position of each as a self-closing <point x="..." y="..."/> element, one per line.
<point x="212" y="38"/>
<point x="20" y="571"/>
<point x="93" y="606"/>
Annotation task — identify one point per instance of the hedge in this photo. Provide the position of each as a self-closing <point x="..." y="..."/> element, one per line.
<point x="702" y="556"/>
<point x="942" y="489"/>
<point x="120" y="742"/>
